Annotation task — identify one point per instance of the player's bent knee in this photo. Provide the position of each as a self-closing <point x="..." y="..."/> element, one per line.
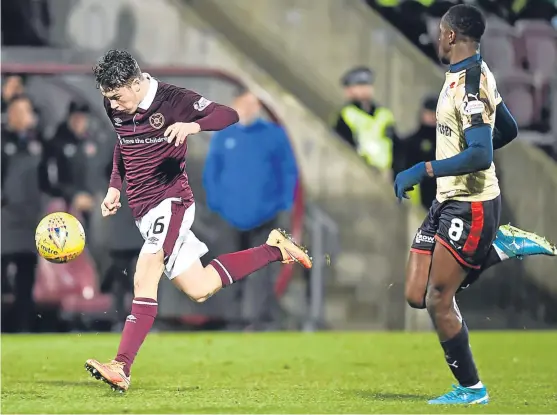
<point x="415" y="295"/>
<point x="196" y="287"/>
<point x="438" y="299"/>
<point x="416" y="301"/>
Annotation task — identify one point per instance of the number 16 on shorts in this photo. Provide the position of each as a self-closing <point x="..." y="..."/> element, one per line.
<point x="154" y="227"/>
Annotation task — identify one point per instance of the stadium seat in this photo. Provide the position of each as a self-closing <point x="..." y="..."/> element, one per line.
<point x="432" y="24"/>
<point x="518" y="90"/>
<point x="73" y="287"/>
<point x="499" y="46"/>
<point x="539" y="41"/>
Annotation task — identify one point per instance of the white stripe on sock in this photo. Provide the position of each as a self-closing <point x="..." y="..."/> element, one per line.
<point x="477" y="386"/>
<point x="457" y="310"/>
<point x="225" y="270"/>
<point x="143" y="302"/>
<point x="500" y="253"/>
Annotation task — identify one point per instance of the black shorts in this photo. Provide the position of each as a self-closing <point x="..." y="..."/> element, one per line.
<point x="466" y="229"/>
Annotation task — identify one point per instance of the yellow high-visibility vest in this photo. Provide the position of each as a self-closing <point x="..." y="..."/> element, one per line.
<point x="370" y="134"/>
<point x="388" y="3"/>
<point x="426" y="3"/>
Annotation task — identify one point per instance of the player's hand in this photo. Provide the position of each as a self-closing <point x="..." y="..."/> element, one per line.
<point x="178" y="132"/>
<point x="111" y="202"/>
<point x="407" y="179"/>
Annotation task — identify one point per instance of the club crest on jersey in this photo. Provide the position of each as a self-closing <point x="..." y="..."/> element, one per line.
<point x="117" y="122"/>
<point x="201" y="104"/>
<point x="156" y="120"/>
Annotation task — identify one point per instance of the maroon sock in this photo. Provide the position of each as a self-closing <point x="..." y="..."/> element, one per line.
<point x="237" y="265"/>
<point x="138" y="324"/>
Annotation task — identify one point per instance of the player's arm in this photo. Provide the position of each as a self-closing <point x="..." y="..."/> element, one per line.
<point x="343" y="130"/>
<point x="195" y="114"/>
<point x="473" y="113"/>
<point x="506" y="128"/>
<point x="477" y="156"/>
<point x="210" y="116"/>
<point x="118" y="172"/>
<point x="215" y="117"/>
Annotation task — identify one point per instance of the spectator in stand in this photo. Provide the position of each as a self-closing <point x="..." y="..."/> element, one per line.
<point x="13" y="86"/>
<point x="420" y="146"/>
<point x="365" y="125"/>
<point x="249" y="177"/>
<point x="68" y="154"/>
<point x="22" y="182"/>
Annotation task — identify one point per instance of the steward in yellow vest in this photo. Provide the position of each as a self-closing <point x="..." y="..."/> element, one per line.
<point x="363" y="124"/>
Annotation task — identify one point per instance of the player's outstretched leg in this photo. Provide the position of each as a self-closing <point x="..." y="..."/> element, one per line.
<point x="199" y="283"/>
<point x="445" y="278"/>
<point x="116" y="373"/>
<point x="510" y="242"/>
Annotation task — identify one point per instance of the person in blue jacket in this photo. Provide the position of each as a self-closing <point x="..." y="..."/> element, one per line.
<point x="250" y="177"/>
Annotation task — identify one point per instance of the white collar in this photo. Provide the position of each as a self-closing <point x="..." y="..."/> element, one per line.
<point x="150" y="96"/>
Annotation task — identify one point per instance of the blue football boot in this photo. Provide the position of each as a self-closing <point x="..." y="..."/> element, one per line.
<point x="462" y="396"/>
<point x="516" y="243"/>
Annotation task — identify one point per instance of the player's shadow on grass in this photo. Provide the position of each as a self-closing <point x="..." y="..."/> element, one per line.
<point x="85" y="382"/>
<point x="386" y="396"/>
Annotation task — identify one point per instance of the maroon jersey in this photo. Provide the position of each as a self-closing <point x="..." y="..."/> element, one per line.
<point x="155" y="170"/>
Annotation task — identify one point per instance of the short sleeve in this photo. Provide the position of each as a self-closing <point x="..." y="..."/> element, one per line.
<point x="497" y="96"/>
<point x="474" y="108"/>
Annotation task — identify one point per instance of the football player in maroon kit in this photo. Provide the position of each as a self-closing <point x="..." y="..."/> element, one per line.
<point x="152" y="120"/>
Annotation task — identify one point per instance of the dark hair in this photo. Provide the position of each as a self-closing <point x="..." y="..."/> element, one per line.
<point x="115" y="69"/>
<point x="467" y="21"/>
<point x="21" y="76"/>
<point x="20" y="97"/>
<point x="78" y="107"/>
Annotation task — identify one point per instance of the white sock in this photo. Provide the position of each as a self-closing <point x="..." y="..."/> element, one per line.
<point x="476" y="386"/>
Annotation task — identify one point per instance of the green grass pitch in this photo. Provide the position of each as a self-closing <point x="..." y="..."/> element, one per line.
<point x="330" y="372"/>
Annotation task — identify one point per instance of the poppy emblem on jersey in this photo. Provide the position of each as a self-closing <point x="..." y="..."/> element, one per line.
<point x="57" y="232"/>
<point x="156" y="120"/>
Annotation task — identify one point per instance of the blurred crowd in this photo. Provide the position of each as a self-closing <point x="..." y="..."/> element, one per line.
<point x="415" y="17"/>
<point x="32" y="167"/>
<point x="370" y="129"/>
<point x="519" y="45"/>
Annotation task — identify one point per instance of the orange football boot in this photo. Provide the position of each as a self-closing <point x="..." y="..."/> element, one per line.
<point x="291" y="251"/>
<point x="111" y="373"/>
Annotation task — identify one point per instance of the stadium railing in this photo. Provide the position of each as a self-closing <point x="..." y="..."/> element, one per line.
<point x="320" y="223"/>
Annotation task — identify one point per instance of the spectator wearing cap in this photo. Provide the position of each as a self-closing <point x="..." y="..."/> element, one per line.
<point x="365" y="125"/>
<point x="68" y="155"/>
<point x="420" y="146"/>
